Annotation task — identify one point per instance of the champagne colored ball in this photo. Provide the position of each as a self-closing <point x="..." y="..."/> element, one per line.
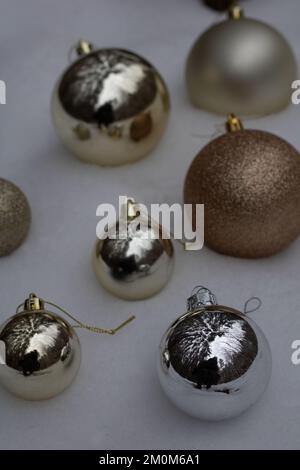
<point x="110" y="107"/>
<point x="40" y="355"/>
<point x="243" y="66"/>
<point x="15" y="217"/>
<point x="249" y="182"/>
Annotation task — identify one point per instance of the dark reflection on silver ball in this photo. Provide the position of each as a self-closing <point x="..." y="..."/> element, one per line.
<point x="214" y="362"/>
<point x="214" y="347"/>
<point x="42" y="355"/>
<point x="136" y="266"/>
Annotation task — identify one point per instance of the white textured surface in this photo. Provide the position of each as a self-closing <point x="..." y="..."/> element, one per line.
<point x="116" y="401"/>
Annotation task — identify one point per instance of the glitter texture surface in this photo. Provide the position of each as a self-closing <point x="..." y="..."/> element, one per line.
<point x="249" y="182"/>
<point x="15" y="217"/>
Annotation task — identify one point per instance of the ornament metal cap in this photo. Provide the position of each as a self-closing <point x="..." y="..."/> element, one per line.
<point x="233" y="124"/>
<point x="235" y="12"/>
<point x="33" y="303"/>
<point x="84" y="47"/>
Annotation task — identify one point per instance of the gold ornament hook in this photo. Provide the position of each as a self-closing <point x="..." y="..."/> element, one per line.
<point x="34" y="303"/>
<point x="235" y="12"/>
<point x="84" y="47"/>
<point x="233" y="123"/>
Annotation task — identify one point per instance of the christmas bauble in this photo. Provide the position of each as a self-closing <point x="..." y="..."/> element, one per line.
<point x="249" y="183"/>
<point x="133" y="262"/>
<point x="110" y="107"/>
<point x="241" y="65"/>
<point x="15" y="217"/>
<point x="40" y="353"/>
<point x="219" y="5"/>
<point x="214" y="361"/>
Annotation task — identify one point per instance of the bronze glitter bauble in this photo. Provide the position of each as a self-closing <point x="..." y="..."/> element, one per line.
<point x="249" y="182"/>
<point x="15" y="217"/>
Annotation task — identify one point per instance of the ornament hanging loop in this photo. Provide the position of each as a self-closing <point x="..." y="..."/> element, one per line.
<point x="254" y="309"/>
<point x="34" y="303"/>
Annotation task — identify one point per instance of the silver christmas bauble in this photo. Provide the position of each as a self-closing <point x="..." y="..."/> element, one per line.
<point x="241" y="65"/>
<point x="214" y="362"/>
<point x="39" y="353"/>
<point x="110" y="107"/>
<point x="15" y="217"/>
<point x="133" y="263"/>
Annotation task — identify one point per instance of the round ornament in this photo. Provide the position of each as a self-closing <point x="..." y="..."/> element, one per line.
<point x="249" y="183"/>
<point x="40" y="352"/>
<point x="219" y="5"/>
<point x="15" y="217"/>
<point x="133" y="261"/>
<point x="111" y="106"/>
<point x="214" y="361"/>
<point x="241" y="64"/>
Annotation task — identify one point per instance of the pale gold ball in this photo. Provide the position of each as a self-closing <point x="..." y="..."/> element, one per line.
<point x="249" y="182"/>
<point x="15" y="217"/>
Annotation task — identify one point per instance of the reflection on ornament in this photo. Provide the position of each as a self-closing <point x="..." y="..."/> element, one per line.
<point x="111" y="106"/>
<point x="214" y="362"/>
<point x="241" y="64"/>
<point x="39" y="351"/>
<point x="249" y="183"/>
<point x="133" y="263"/>
<point x="15" y="217"/>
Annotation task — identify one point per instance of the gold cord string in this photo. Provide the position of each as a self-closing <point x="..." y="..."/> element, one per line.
<point x="79" y="324"/>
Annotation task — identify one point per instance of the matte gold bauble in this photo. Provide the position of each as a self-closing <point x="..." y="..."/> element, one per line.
<point x="110" y="107"/>
<point x="249" y="182"/>
<point x="243" y="65"/>
<point x="15" y="217"/>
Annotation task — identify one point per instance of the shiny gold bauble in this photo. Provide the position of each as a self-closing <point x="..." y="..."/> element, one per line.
<point x="241" y="65"/>
<point x="249" y="182"/>
<point x="133" y="263"/>
<point x="15" y="217"/>
<point x="39" y="353"/>
<point x="110" y="107"/>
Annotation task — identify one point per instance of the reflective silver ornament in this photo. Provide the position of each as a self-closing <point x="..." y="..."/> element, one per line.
<point x="214" y="362"/>
<point x="110" y="107"/>
<point x="40" y="352"/>
<point x="241" y="65"/>
<point x="15" y="217"/>
<point x="133" y="262"/>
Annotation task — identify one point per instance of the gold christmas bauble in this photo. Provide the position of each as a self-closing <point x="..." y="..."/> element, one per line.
<point x="110" y="107"/>
<point x="249" y="182"/>
<point x="39" y="352"/>
<point x="241" y="65"/>
<point x="15" y="217"/>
